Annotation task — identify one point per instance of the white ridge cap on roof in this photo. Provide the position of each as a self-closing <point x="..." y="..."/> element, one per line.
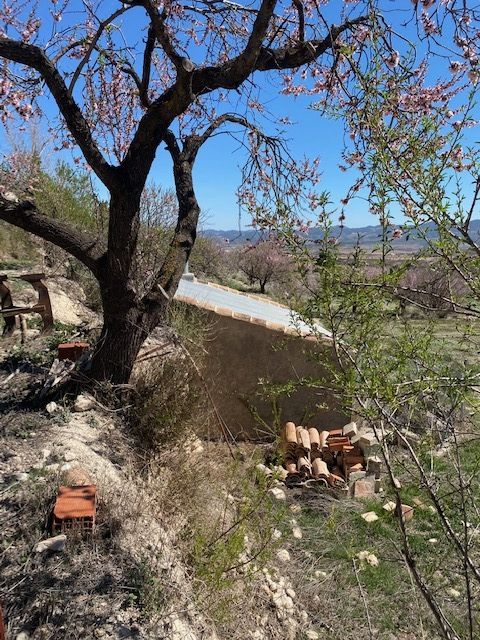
<point x="222" y="299"/>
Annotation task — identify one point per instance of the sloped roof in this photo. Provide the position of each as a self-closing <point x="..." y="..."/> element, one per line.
<point x="244" y="306"/>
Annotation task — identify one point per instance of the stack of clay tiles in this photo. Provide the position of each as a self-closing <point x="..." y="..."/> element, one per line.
<point x="334" y="458"/>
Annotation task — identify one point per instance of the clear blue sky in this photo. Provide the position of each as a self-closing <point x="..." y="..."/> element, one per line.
<point x="217" y="170"/>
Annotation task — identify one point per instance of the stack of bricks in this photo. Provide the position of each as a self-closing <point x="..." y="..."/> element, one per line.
<point x="337" y="458"/>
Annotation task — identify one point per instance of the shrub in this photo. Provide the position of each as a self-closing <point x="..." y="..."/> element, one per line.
<point x="167" y="401"/>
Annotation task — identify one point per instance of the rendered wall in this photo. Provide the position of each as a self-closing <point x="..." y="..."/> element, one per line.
<point x="242" y="353"/>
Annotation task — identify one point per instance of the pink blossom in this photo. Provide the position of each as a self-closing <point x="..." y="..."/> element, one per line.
<point x="393" y="60"/>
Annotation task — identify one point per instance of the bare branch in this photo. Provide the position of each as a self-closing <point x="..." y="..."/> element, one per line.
<point x="93" y="43"/>
<point x="24" y="214"/>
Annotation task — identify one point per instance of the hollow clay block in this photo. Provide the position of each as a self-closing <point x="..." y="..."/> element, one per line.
<point x="314" y="438"/>
<point x="320" y="469"/>
<point x="290" y="433"/>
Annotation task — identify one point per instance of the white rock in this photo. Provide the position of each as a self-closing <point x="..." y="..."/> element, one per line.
<point x="311" y="635"/>
<point x="83" y="402"/>
<point x="320" y="574"/>
<point x="389" y="506"/>
<point x="263" y="469"/>
<point x="276" y="534"/>
<point x="297" y="533"/>
<point x="282" y="555"/>
<point x="283" y="601"/>
<point x="304" y="616"/>
<point x="51" y="407"/>
<point x="433" y="540"/>
<point x="278" y="493"/>
<point x="46" y="453"/>
<point x="369" y="558"/>
<point x="69" y="456"/>
<point x="57" y="543"/>
<point x="291" y="593"/>
<point x="454" y="592"/>
<point x="295" y="508"/>
<point x="370" y="516"/>
<point x="23" y="635"/>
<point x="21" y="476"/>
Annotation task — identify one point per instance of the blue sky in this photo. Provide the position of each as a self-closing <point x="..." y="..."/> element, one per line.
<point x="217" y="170"/>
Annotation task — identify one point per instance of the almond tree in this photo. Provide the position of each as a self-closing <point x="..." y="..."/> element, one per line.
<point x="129" y="77"/>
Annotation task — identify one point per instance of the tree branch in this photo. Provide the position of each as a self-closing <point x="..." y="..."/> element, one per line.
<point x="24" y="214"/>
<point x="93" y="43"/>
<point x="35" y="58"/>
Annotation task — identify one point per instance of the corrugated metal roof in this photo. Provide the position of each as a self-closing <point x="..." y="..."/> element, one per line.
<point x="242" y="306"/>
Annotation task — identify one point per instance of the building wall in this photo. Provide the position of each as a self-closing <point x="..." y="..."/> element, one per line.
<point x="242" y="353"/>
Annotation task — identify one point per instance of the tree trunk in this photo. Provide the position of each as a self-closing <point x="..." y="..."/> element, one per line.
<point x="118" y="346"/>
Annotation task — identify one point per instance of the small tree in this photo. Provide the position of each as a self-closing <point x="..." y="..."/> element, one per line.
<point x="124" y="91"/>
<point x="263" y="263"/>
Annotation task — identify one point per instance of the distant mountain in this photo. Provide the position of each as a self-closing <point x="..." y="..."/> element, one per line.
<point x="348" y="236"/>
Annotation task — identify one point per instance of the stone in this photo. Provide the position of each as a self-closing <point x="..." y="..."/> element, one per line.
<point x="433" y="540"/>
<point x="278" y="493"/>
<point x="369" y="558"/>
<point x="367" y="439"/>
<point x="363" y="489"/>
<point x="282" y="555"/>
<point x="46" y="453"/>
<point x="311" y="635"/>
<point x="389" y="506"/>
<point x="23" y="635"/>
<point x="281" y="473"/>
<point x="353" y="476"/>
<point x="283" y="601"/>
<point x="374" y="465"/>
<point x="397" y="484"/>
<point x="83" y="402"/>
<point x="295" y="508"/>
<point x="297" y="533"/>
<point x="290" y="592"/>
<point x="320" y="574"/>
<point x="350" y="429"/>
<point x="263" y="469"/>
<point x="370" y="516"/>
<point x="69" y="456"/>
<point x="407" y="512"/>
<point x="57" y="543"/>
<point x="21" y="476"/>
<point x="455" y="593"/>
<point x="52" y="407"/>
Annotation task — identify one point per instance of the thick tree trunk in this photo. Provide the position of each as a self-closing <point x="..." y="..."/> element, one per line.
<point x="118" y="346"/>
<point x="120" y="341"/>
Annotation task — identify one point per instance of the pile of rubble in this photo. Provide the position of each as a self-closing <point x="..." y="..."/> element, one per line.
<point x="341" y="458"/>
